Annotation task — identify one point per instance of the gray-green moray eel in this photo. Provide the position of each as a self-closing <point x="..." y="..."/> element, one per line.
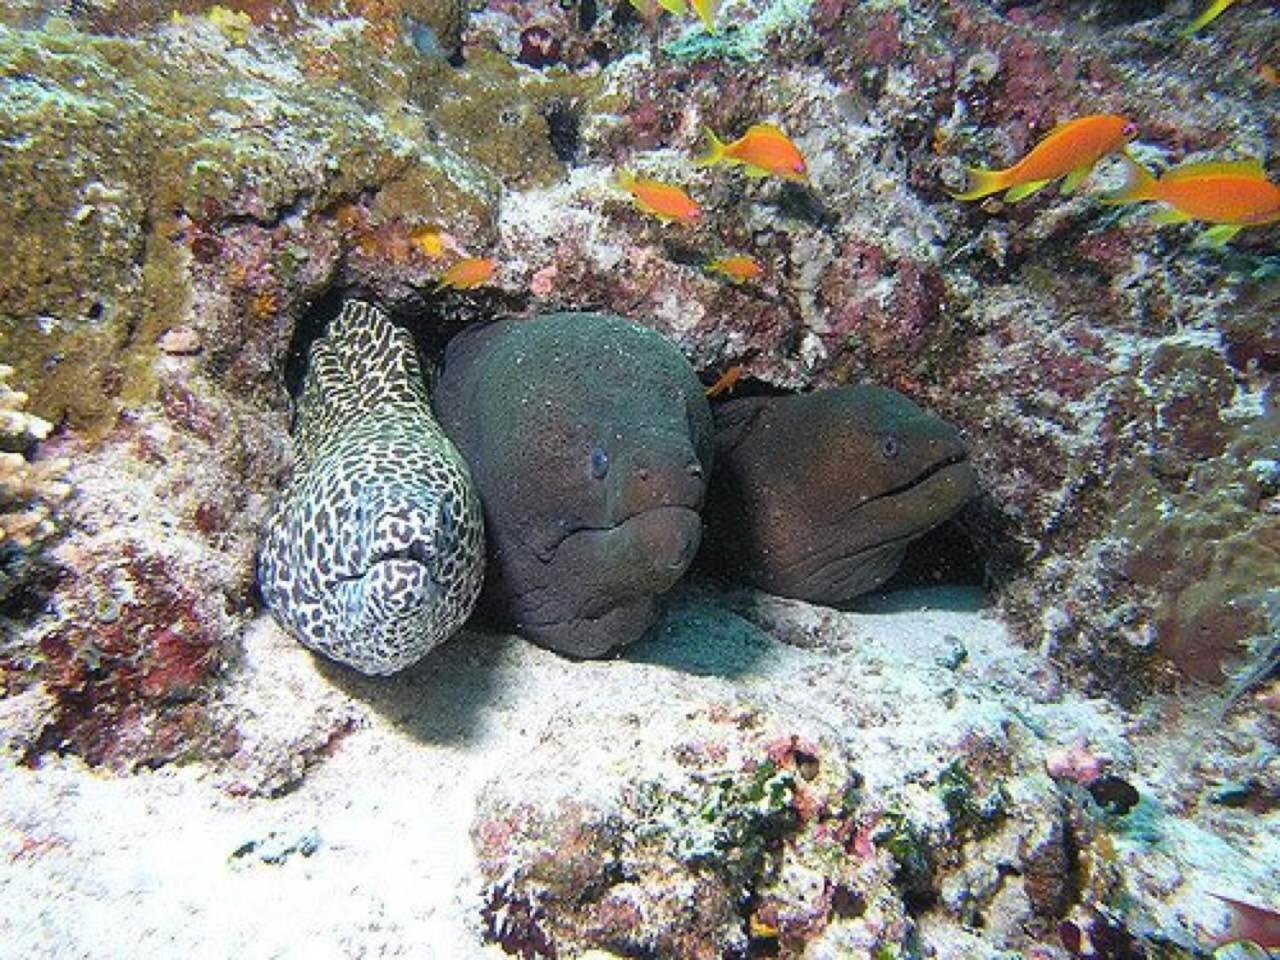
<point x="816" y="496"/>
<point x="590" y="441"/>
<point x="375" y="553"/>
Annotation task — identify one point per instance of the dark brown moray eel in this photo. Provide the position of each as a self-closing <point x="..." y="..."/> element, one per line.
<point x="590" y="440"/>
<point x="816" y="496"/>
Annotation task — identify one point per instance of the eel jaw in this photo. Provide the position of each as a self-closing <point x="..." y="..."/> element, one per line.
<point x="619" y="571"/>
<point x="870" y="540"/>
<point x="394" y="573"/>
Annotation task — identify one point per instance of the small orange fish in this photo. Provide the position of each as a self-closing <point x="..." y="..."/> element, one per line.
<point x="1230" y="195"/>
<point x="1071" y="150"/>
<point x="725" y="382"/>
<point x="467" y="273"/>
<point x="763" y="151"/>
<point x="737" y="268"/>
<point x="662" y="200"/>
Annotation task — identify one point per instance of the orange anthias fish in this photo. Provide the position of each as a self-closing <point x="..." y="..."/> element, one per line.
<point x="724" y="383"/>
<point x="1230" y="195"/>
<point x="467" y="273"/>
<point x="736" y="268"/>
<point x="662" y="200"/>
<point x="1071" y="150"/>
<point x="763" y="151"/>
<point x="1209" y="14"/>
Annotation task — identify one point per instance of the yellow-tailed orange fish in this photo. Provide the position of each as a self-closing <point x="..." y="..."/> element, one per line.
<point x="763" y="151"/>
<point x="706" y="11"/>
<point x="1230" y="195"/>
<point x="1209" y="14"/>
<point x="736" y="268"/>
<point x="663" y="200"/>
<point x="1071" y="150"/>
<point x="467" y="273"/>
<point x="724" y="382"/>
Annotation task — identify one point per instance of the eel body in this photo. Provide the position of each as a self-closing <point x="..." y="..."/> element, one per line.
<point x="375" y="553"/>
<point x="590" y="441"/>
<point x="816" y="496"/>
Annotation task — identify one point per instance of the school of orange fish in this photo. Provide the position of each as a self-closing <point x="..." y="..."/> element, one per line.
<point x="1227" y="195"/>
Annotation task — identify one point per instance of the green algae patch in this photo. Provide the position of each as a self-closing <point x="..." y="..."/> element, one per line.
<point x="73" y="170"/>
<point x="746" y="41"/>
<point x="495" y="113"/>
<point x="115" y="146"/>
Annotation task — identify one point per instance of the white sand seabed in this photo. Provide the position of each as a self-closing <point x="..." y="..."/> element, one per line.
<point x="369" y="853"/>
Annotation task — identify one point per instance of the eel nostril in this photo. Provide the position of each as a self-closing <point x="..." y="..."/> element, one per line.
<point x="695" y="469"/>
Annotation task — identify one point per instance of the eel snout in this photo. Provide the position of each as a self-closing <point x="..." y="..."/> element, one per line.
<point x="398" y="555"/>
<point x="657" y="471"/>
<point x="619" y="573"/>
<point x="662" y="541"/>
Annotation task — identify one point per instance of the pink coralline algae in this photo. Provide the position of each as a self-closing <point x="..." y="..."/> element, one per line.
<point x="538" y="47"/>
<point x="130" y="671"/>
<point x="1076" y="762"/>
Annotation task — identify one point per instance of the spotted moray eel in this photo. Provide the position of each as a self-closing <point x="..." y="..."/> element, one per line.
<point x="375" y="552"/>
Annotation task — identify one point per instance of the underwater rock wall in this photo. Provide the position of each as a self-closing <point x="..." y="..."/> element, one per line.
<point x="178" y="200"/>
<point x="1116" y="383"/>
<point x="185" y="182"/>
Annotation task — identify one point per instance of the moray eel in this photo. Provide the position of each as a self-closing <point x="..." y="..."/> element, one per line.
<point x="816" y="496"/>
<point x="375" y="553"/>
<point x="590" y="441"/>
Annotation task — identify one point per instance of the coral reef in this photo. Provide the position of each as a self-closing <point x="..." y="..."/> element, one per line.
<point x="1115" y="385"/>
<point x="184" y="190"/>
<point x="125" y="632"/>
<point x="743" y="848"/>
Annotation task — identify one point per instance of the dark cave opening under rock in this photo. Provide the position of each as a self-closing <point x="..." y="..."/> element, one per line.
<point x="433" y="317"/>
<point x="952" y="555"/>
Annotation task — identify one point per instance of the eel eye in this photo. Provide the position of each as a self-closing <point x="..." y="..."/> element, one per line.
<point x="890" y="445"/>
<point x="599" y="463"/>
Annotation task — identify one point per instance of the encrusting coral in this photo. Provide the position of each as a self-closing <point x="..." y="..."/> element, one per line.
<point x="29" y="490"/>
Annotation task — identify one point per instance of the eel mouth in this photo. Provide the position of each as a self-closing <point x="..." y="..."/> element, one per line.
<point x="922" y="502"/>
<point x="868" y="541"/>
<point x="418" y="554"/>
<point x="611" y="567"/>
<point x="662" y="540"/>
<point x="956" y="459"/>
